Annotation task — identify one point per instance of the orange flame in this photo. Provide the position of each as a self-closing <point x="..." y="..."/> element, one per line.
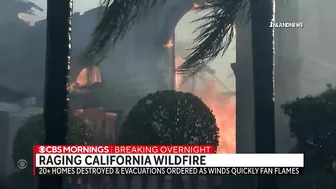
<point x="222" y="106"/>
<point x="95" y="76"/>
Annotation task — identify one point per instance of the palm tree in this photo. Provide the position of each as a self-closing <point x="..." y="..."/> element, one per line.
<point x="215" y="36"/>
<point x="263" y="72"/>
<point x="56" y="74"/>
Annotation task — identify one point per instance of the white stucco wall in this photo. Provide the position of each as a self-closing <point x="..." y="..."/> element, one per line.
<point x="306" y="54"/>
<point x="287" y="70"/>
<point x="317" y="45"/>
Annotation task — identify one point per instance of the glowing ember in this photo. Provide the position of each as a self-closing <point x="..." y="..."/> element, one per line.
<point x="222" y="106"/>
<point x="169" y="44"/>
<point x="195" y="6"/>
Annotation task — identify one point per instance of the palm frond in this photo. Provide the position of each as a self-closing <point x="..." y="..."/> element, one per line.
<point x="117" y="18"/>
<point x="215" y="35"/>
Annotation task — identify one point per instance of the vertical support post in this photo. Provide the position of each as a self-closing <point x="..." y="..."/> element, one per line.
<point x="173" y="63"/>
<point x="118" y="121"/>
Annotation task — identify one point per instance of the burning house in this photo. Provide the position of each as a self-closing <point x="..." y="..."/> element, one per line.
<point x="142" y="62"/>
<point x="102" y="95"/>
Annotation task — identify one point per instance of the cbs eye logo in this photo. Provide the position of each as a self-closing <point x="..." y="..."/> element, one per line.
<point x="41" y="149"/>
<point x="22" y="164"/>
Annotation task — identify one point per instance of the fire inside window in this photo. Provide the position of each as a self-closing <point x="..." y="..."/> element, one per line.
<point x="88" y="76"/>
<point x="99" y="121"/>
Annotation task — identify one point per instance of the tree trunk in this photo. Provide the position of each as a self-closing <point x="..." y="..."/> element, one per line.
<point x="193" y="179"/>
<point x="114" y="181"/>
<point x="144" y="181"/>
<point x="85" y="182"/>
<point x="263" y="73"/>
<point x="56" y="80"/>
<point x="72" y="184"/>
<point x="96" y="181"/>
<point x="160" y="181"/>
<point x="210" y="180"/>
<point x="128" y="181"/>
<point x="177" y="182"/>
